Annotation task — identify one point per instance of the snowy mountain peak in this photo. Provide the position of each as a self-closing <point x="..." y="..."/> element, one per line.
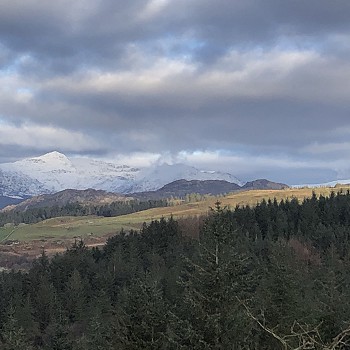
<point x="53" y="156"/>
<point x="48" y="161"/>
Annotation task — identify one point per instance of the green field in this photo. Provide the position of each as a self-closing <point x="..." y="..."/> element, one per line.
<point x="67" y="227"/>
<point x="70" y="227"/>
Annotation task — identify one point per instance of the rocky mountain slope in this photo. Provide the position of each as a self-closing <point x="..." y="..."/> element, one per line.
<point x="55" y="172"/>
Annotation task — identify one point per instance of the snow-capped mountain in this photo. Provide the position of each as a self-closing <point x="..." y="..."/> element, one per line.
<point x="53" y="172"/>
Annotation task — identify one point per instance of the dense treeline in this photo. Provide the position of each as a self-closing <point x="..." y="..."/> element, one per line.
<point x="33" y="215"/>
<point x="276" y="276"/>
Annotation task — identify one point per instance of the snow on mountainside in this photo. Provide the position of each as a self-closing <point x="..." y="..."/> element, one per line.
<point x="17" y="184"/>
<point x="55" y="172"/>
<point x="103" y="175"/>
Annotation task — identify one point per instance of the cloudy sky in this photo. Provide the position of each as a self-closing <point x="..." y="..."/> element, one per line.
<point x="257" y="88"/>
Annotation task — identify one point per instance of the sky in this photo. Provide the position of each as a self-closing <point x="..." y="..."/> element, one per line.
<point x="257" y="88"/>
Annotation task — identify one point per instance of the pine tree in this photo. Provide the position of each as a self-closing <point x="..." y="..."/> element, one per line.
<point x="75" y="297"/>
<point x="212" y="318"/>
<point x="24" y="313"/>
<point x="13" y="335"/>
<point x="45" y="300"/>
<point x="143" y="314"/>
<point x="99" y="333"/>
<point x="56" y="336"/>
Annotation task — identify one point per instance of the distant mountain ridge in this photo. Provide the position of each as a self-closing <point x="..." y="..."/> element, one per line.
<point x="54" y="172"/>
<point x="178" y="189"/>
<point x="181" y="188"/>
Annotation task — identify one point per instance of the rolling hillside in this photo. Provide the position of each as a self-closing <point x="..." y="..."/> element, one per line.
<point x="68" y="227"/>
<point x="84" y="197"/>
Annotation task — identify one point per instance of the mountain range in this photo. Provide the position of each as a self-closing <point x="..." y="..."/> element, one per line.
<point x="177" y="189"/>
<point x="54" y="172"/>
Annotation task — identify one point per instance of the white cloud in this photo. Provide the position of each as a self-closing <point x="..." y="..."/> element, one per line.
<point x="135" y="159"/>
<point x="46" y="138"/>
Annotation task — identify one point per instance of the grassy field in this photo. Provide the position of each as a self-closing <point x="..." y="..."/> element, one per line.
<point x="231" y="201"/>
<point x="69" y="227"/>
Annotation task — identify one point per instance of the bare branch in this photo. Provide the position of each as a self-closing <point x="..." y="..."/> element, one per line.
<point x="266" y="329"/>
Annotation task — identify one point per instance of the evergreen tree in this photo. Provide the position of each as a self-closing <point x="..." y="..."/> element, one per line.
<point x="213" y="283"/>
<point x="13" y="335"/>
<point x="143" y="314"/>
<point x="75" y="297"/>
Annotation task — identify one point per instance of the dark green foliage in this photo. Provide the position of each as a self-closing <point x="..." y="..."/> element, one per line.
<point x="145" y="314"/>
<point x="276" y="276"/>
<point x="13" y="336"/>
<point x="214" y="281"/>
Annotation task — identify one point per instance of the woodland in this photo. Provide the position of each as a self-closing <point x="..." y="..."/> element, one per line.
<point x="37" y="214"/>
<point x="273" y="276"/>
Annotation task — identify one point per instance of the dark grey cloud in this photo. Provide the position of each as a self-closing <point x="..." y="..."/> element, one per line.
<point x="65" y="34"/>
<point x="255" y="78"/>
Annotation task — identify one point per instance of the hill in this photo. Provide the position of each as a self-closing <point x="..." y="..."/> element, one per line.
<point x="61" y="228"/>
<point x="263" y="184"/>
<point x="62" y="198"/>
<point x="181" y="188"/>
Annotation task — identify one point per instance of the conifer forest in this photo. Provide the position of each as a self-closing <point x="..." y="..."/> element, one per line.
<point x="269" y="277"/>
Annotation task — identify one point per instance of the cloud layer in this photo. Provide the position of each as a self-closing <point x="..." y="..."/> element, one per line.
<point x="255" y="87"/>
